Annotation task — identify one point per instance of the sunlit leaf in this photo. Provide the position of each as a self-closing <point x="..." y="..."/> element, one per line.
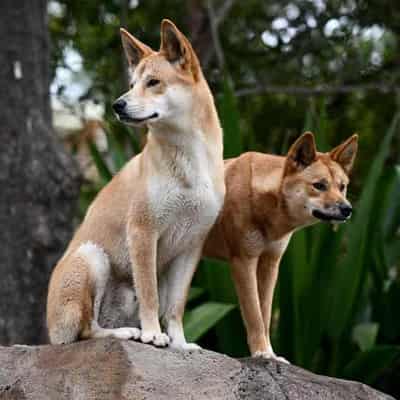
<point x="365" y="335"/>
<point x="202" y="318"/>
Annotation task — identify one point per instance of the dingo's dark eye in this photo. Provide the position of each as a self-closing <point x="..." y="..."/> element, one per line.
<point x="321" y="186"/>
<point x="131" y="86"/>
<point x="153" y="82"/>
<point x="342" y="186"/>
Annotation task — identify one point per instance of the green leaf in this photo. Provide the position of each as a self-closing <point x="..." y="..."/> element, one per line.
<point x="351" y="270"/>
<point x="195" y="293"/>
<point x="287" y="329"/>
<point x="297" y="254"/>
<point x="215" y="277"/>
<point x="202" y="318"/>
<point x="308" y="121"/>
<point x="133" y="140"/>
<point x="117" y="152"/>
<point x="370" y="365"/>
<point x="322" y="128"/>
<point x="365" y="334"/>
<point x="98" y="160"/>
<point x="230" y="119"/>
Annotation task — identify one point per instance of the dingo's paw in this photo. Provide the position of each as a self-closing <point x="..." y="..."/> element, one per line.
<point x="158" y="339"/>
<point x="136" y="332"/>
<point x="125" y="333"/>
<point x="270" y="355"/>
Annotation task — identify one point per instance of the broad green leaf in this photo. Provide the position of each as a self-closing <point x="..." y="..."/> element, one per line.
<point x="351" y="269"/>
<point x="117" y="152"/>
<point x="287" y="314"/>
<point x="215" y="277"/>
<point x="202" y="318"/>
<point x="133" y="140"/>
<point x="365" y="334"/>
<point x="309" y="125"/>
<point x="230" y="119"/>
<point x="100" y="163"/>
<point x="387" y="306"/>
<point x="325" y="248"/>
<point x="86" y="196"/>
<point x="195" y="293"/>
<point x="298" y="253"/>
<point x="321" y="134"/>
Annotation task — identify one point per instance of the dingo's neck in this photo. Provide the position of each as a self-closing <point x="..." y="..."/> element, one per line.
<point x="193" y="142"/>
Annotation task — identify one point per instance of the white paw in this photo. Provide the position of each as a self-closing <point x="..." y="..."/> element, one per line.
<point x="281" y="359"/>
<point x="127" y="333"/>
<point x="136" y="332"/>
<point x="185" y="346"/>
<point x="270" y="355"/>
<point x="158" y="339"/>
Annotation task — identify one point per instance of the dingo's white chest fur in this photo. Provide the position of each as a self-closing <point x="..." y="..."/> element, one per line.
<point x="185" y="203"/>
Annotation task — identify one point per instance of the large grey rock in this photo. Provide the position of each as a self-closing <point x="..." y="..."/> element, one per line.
<point x="110" y="369"/>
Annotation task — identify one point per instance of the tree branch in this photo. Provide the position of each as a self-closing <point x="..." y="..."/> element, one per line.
<point x="223" y="11"/>
<point x="318" y="90"/>
<point x="214" y="34"/>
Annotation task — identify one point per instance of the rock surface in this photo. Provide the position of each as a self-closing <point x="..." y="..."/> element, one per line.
<point x="110" y="369"/>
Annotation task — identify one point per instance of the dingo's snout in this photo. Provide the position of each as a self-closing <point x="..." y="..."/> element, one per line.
<point x="345" y="210"/>
<point x="339" y="212"/>
<point x="119" y="106"/>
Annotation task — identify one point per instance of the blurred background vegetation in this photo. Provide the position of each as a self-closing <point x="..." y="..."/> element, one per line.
<point x="276" y="68"/>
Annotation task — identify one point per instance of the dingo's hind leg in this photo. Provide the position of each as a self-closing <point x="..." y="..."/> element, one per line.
<point x="99" y="267"/>
<point x="76" y="292"/>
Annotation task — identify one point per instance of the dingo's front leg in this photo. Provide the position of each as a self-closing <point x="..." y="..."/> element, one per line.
<point x="267" y="275"/>
<point x="175" y="287"/>
<point x="244" y="272"/>
<point x="143" y="255"/>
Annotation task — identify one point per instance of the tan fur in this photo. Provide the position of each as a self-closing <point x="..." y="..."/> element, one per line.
<point x="267" y="199"/>
<point x="150" y="222"/>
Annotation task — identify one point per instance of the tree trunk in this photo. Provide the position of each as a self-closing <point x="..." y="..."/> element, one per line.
<point x="38" y="181"/>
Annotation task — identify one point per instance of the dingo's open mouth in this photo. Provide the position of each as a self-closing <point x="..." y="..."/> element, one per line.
<point x="329" y="217"/>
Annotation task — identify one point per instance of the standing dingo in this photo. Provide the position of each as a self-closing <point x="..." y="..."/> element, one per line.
<point x="267" y="199"/>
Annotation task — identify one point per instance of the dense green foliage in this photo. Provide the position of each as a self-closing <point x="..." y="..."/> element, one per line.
<point x="335" y="307"/>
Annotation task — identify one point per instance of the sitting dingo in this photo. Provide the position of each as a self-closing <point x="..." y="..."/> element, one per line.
<point x="145" y="230"/>
<point x="267" y="199"/>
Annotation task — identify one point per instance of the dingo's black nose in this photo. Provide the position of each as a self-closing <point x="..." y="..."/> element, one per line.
<point x="345" y="210"/>
<point x="119" y="106"/>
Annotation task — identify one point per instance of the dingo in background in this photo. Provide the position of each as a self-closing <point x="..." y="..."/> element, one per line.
<point x="267" y="199"/>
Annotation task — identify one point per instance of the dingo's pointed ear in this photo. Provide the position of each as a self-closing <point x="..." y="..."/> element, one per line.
<point x="177" y="49"/>
<point x="134" y="49"/>
<point x="301" y="154"/>
<point x="345" y="153"/>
